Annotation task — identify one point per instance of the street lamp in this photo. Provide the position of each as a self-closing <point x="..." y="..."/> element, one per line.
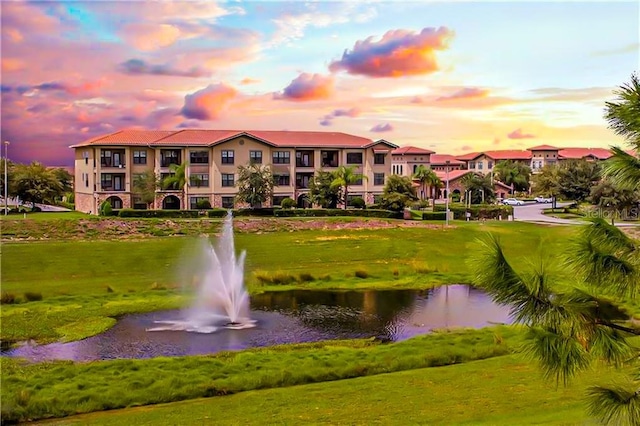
<point x="6" y="179"/>
<point x="447" y="193"/>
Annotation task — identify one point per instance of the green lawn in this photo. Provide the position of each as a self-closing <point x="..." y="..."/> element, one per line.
<point x="40" y="216"/>
<point x="498" y="391"/>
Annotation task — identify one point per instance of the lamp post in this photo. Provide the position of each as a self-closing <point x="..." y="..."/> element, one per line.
<point x="6" y="179"/>
<point x="446" y="208"/>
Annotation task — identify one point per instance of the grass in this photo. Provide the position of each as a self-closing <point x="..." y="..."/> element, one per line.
<point x="91" y="281"/>
<point x="56" y="389"/>
<point x="497" y="391"/>
<point x="44" y="216"/>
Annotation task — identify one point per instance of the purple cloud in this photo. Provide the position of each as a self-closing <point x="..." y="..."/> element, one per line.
<point x="381" y="128"/>
<point x="140" y="67"/>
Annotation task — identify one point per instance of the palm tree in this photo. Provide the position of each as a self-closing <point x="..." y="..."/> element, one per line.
<point x="479" y="187"/>
<point x="513" y="173"/>
<point x="569" y="329"/>
<point x="343" y="177"/>
<point x="427" y="178"/>
<point x="255" y="184"/>
<point x="177" y="180"/>
<point x="145" y="185"/>
<point x="623" y="115"/>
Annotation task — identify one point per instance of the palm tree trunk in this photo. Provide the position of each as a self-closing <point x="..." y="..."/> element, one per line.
<point x="346" y="196"/>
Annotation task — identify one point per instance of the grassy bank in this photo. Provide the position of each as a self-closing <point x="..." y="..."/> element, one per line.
<point x="56" y="389"/>
<point x="497" y="391"/>
<point x="84" y="284"/>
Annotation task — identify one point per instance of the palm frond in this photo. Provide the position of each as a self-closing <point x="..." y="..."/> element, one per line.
<point x="561" y="356"/>
<point x="615" y="404"/>
<point x="610" y="345"/>
<point x="623" y="169"/>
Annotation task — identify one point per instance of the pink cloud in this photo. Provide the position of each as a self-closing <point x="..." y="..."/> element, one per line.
<point x="381" y="128"/>
<point x="465" y="93"/>
<point x="12" y="64"/>
<point x="308" y="87"/>
<point x="351" y="112"/>
<point x="151" y="36"/>
<point x="248" y="80"/>
<point x="517" y="134"/>
<point x="464" y="148"/>
<point x="208" y="103"/>
<point x="398" y="53"/>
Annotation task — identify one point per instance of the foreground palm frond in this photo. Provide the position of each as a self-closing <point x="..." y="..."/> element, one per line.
<point x="623" y="169"/>
<point x="618" y="404"/>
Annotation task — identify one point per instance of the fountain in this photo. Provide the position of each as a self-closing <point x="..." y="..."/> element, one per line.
<point x="221" y="299"/>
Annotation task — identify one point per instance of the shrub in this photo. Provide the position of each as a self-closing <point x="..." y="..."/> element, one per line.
<point x="288" y="203"/>
<point x="422" y="204"/>
<point x="105" y="209"/>
<point x="361" y="274"/>
<point x="32" y="296"/>
<point x="177" y="214"/>
<point x="434" y="215"/>
<point x="277" y="278"/>
<point x="358" y="203"/>
<point x="36" y="209"/>
<point x="109" y="289"/>
<point x="7" y="298"/>
<point x="385" y="214"/>
<point x="478" y="212"/>
<point x="203" y="205"/>
<point x="305" y="277"/>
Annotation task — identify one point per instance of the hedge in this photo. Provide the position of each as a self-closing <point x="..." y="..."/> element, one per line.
<point x="385" y="214"/>
<point x="184" y="214"/>
<point x="478" y="212"/>
<point x="434" y="215"/>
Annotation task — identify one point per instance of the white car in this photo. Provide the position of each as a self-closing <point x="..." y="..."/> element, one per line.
<point x="512" y="202"/>
<point x="543" y="200"/>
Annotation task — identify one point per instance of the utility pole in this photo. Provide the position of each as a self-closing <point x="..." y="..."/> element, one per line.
<point x="6" y="179"/>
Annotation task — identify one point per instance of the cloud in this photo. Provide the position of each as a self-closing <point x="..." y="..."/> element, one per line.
<point x="12" y="64"/>
<point x="208" y="103"/>
<point x="381" y="128"/>
<point x="464" y="148"/>
<point x="517" y="134"/>
<point x="326" y="122"/>
<point x="398" y="53"/>
<point x="248" y="80"/>
<point x="151" y="36"/>
<point x="308" y="87"/>
<point x="465" y="93"/>
<point x="340" y="112"/>
<point x="140" y="67"/>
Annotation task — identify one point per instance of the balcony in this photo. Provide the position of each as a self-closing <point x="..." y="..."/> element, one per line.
<point x="112" y="158"/>
<point x="169" y="157"/>
<point x="303" y="179"/>
<point x="304" y="158"/>
<point x="329" y="158"/>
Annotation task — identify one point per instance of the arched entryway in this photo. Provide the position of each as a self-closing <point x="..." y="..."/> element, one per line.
<point x="171" y="202"/>
<point x="455" y="195"/>
<point x="303" y="201"/>
<point x="116" y="202"/>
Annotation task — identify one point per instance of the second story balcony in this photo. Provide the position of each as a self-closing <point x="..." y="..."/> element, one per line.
<point x="112" y="158"/>
<point x="304" y="158"/>
<point x="169" y="157"/>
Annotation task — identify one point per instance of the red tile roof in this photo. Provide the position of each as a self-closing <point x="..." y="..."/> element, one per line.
<point x="190" y="137"/>
<point x="411" y="150"/>
<point x="506" y="154"/>
<point x="543" y="148"/>
<point x="441" y="159"/>
<point x="577" y="153"/>
<point x="453" y="174"/>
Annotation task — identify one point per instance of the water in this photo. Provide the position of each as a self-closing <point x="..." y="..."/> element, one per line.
<point x="221" y="299"/>
<point x="288" y="317"/>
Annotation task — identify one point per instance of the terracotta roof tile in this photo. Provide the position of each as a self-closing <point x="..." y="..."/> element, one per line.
<point x="543" y="148"/>
<point x="411" y="150"/>
<point x="577" y="153"/>
<point x="453" y="174"/>
<point x="441" y="159"/>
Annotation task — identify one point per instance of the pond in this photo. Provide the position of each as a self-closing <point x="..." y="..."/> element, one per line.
<point x="289" y="317"/>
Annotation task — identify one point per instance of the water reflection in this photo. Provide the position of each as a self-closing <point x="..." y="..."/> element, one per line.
<point x="291" y="317"/>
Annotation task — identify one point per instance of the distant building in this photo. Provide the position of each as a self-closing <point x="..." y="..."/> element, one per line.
<point x="406" y="160"/>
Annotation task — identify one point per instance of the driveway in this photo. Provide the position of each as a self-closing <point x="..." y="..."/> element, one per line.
<point x="532" y="212"/>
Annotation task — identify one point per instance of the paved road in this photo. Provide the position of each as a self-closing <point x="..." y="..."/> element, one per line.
<point x="532" y="212"/>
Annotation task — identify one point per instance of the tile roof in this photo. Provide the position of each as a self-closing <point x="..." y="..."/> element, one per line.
<point x="453" y="174"/>
<point x="543" y="148"/>
<point x="576" y="153"/>
<point x="411" y="150"/>
<point x="505" y="154"/>
<point x="441" y="159"/>
<point x="188" y="137"/>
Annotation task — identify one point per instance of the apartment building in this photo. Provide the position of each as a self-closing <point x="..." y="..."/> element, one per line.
<point x="406" y="160"/>
<point x="105" y="166"/>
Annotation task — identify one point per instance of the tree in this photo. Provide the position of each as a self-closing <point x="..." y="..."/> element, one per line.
<point x="570" y="328"/>
<point x="321" y="190"/>
<point x="547" y="182"/>
<point x="64" y="177"/>
<point x="255" y="184"/>
<point x="397" y="193"/>
<point x="513" y="173"/>
<point x="145" y="186"/>
<point x="571" y="179"/>
<point x="177" y="180"/>
<point x="35" y="183"/>
<point x="342" y="178"/>
<point x="623" y="115"/>
<point x="428" y="179"/>
<point x="612" y="199"/>
<point x="479" y="187"/>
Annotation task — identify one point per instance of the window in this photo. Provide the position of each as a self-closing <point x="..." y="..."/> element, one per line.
<point x="255" y="157"/>
<point x="281" y="157"/>
<point x="329" y="158"/>
<point x="358" y="181"/>
<point x="277" y="200"/>
<point x="203" y="201"/>
<point x="304" y="158"/>
<point x="85" y="155"/>
<point x="106" y="181"/>
<point x="169" y="157"/>
<point x="378" y="178"/>
<point x="472" y="164"/>
<point x="140" y="157"/>
<point x="199" y="157"/>
<point x="354" y="158"/>
<point x="227" y="157"/>
<point x="227" y="202"/>
<point x="490" y="165"/>
<point x="480" y="165"/>
<point x="227" y="179"/>
<point x="415" y="168"/>
<point x="106" y="159"/>
<point x="282" y="180"/>
<point x="378" y="158"/>
<point x="199" y="180"/>
<point x="303" y="179"/>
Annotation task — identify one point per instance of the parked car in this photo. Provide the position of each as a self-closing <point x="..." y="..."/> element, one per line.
<point x="513" y="202"/>
<point x="543" y="199"/>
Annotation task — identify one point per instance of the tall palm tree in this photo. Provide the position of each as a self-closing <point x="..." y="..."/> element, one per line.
<point x="343" y="177"/>
<point x="178" y="179"/>
<point x="428" y="179"/>
<point x="513" y="173"/>
<point x="568" y="329"/>
<point x="623" y="115"/>
<point x="479" y="187"/>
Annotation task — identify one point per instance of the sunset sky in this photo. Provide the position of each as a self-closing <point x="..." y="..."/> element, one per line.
<point x="452" y="76"/>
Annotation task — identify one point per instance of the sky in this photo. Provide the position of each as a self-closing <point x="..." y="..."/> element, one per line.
<point x="452" y="77"/>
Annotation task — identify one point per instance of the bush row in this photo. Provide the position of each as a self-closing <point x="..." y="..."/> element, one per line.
<point x="385" y="214"/>
<point x="478" y="212"/>
<point x="434" y="215"/>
